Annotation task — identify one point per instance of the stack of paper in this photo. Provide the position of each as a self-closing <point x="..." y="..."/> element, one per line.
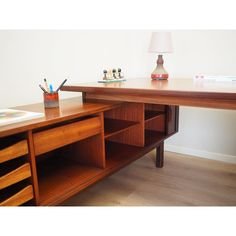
<point x="218" y="78"/>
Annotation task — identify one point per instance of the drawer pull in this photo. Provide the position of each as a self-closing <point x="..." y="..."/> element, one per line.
<point x="51" y="139"/>
<point x="15" y="176"/>
<point x="14" y="151"/>
<point x="19" y="198"/>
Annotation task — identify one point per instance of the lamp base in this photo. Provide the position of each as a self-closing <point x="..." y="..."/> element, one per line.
<point x="160" y="73"/>
<point x="159" y="76"/>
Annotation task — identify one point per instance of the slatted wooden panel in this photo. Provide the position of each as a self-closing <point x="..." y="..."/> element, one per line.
<point x="15" y="176"/>
<point x="16" y="150"/>
<point x="19" y="198"/>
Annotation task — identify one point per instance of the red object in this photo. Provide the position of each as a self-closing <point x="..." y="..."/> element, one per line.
<point x="51" y="100"/>
<point x="159" y="76"/>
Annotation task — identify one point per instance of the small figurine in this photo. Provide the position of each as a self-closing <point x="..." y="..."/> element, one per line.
<point x="109" y="74"/>
<point x="105" y="74"/>
<point x="119" y="72"/>
<point x="114" y="73"/>
<point x="120" y="75"/>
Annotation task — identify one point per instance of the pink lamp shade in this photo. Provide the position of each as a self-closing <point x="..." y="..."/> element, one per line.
<point x="160" y="43"/>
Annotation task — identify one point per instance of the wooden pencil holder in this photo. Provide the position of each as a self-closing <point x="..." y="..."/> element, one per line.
<point x="51" y="100"/>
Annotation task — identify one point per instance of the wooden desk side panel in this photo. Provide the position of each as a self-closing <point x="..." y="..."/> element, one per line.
<point x="172" y="119"/>
<point x="132" y="112"/>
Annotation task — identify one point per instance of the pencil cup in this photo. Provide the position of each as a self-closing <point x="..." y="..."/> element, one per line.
<point x="51" y="100"/>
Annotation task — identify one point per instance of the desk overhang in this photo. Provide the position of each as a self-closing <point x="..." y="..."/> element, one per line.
<point x="182" y="92"/>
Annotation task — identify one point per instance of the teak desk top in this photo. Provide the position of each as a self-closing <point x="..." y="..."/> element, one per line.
<point x="185" y="92"/>
<point x="69" y="109"/>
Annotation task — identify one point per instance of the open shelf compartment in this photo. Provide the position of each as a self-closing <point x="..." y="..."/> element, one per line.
<point x="150" y="115"/>
<point x="67" y="170"/>
<point x="61" y="177"/>
<point x="115" y="126"/>
<point x="128" y="153"/>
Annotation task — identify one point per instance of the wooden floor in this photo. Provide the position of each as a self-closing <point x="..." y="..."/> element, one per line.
<point x="184" y="181"/>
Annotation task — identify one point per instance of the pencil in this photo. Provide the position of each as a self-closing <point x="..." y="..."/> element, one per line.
<point x="40" y="86"/>
<point x="61" y="85"/>
<point x="46" y="85"/>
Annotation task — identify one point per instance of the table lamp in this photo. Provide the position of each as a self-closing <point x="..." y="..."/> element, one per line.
<point x="160" y="44"/>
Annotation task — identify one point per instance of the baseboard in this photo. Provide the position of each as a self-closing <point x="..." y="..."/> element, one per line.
<point x="201" y="154"/>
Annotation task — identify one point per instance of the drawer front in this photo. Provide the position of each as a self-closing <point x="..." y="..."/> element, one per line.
<point x="15" y="176"/>
<point x="51" y="139"/>
<point x="14" y="151"/>
<point x="19" y="198"/>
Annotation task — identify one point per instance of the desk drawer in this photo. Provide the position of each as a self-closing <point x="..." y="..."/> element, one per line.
<point x="51" y="139"/>
<point x="16" y="150"/>
<point x="19" y="198"/>
<point x="15" y="176"/>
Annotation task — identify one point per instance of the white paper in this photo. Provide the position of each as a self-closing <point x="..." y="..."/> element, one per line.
<point x="11" y="116"/>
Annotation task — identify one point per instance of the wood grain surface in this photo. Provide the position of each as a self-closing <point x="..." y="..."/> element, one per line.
<point x="129" y="112"/>
<point x="16" y="150"/>
<point x="51" y="139"/>
<point x="19" y="198"/>
<point x="184" y="92"/>
<point x="69" y="109"/>
<point x="162" y="87"/>
<point x="14" y="176"/>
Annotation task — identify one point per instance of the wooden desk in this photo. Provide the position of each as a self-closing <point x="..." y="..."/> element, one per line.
<point x="179" y="92"/>
<point x="47" y="160"/>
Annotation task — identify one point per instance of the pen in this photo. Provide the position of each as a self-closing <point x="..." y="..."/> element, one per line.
<point x="61" y="85"/>
<point x="51" y="88"/>
<point x="46" y="85"/>
<point x="43" y="88"/>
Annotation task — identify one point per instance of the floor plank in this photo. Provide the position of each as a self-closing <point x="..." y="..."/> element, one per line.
<point x="184" y="181"/>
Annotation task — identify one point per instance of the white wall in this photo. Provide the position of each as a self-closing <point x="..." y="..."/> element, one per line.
<point x="26" y="57"/>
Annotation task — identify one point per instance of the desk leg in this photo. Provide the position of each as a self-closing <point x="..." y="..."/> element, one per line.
<point x="160" y="155"/>
<point x="83" y="96"/>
